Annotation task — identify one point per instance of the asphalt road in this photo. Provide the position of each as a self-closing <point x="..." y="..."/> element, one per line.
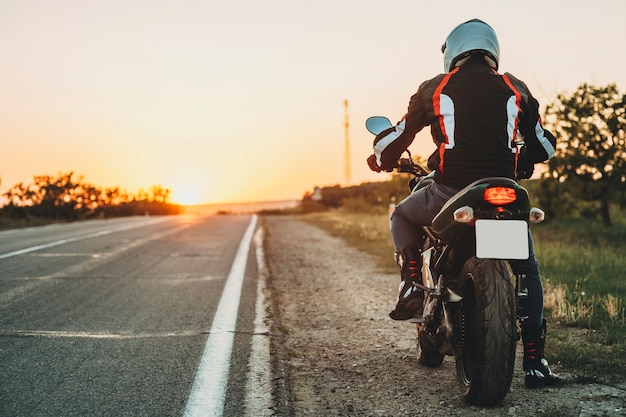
<point x="112" y="317"/>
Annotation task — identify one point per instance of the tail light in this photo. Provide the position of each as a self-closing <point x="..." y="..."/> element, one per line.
<point x="499" y="196"/>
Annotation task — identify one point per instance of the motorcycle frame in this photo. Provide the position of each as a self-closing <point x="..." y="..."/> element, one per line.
<point x="444" y="297"/>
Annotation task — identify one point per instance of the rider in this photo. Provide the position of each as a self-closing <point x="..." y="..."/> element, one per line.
<point x="475" y="115"/>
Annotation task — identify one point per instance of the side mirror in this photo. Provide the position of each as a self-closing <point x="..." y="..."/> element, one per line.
<point x="377" y="124"/>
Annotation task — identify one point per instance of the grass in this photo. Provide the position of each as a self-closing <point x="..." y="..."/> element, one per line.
<point x="364" y="231"/>
<point x="583" y="267"/>
<point x="583" y="270"/>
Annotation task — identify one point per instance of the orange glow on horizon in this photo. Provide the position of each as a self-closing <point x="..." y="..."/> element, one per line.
<point x="130" y="102"/>
<point x="186" y="195"/>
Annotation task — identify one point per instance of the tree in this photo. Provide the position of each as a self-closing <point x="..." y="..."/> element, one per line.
<point x="159" y="194"/>
<point x="66" y="197"/>
<point x="590" y="126"/>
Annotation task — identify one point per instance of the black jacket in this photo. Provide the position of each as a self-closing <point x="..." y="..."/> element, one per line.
<point x="475" y="115"/>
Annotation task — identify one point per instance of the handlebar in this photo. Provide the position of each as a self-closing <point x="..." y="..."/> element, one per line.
<point x="412" y="167"/>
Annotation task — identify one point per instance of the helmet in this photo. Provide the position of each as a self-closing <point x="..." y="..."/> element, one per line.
<point x="468" y="38"/>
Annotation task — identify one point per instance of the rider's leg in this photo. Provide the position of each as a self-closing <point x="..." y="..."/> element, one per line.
<point x="410" y="297"/>
<point x="532" y="305"/>
<point x="406" y="222"/>
<point x="538" y="373"/>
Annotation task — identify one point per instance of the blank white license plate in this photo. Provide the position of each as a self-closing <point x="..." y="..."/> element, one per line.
<point x="501" y="239"/>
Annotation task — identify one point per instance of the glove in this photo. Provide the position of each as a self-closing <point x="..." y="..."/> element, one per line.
<point x="371" y="161"/>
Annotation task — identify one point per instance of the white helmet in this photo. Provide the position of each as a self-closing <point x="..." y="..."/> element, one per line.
<point x="468" y="38"/>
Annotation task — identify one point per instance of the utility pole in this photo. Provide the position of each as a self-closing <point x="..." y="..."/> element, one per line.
<point x="347" y="143"/>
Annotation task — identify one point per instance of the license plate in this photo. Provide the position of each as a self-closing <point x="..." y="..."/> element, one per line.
<point x="501" y="239"/>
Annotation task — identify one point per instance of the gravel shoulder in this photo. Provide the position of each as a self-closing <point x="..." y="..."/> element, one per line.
<point x="336" y="352"/>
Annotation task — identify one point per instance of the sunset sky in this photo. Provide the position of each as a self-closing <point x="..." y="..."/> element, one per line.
<point x="242" y="100"/>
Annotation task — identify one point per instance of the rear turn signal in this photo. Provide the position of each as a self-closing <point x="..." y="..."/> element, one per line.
<point x="499" y="196"/>
<point x="536" y="215"/>
<point x="464" y="214"/>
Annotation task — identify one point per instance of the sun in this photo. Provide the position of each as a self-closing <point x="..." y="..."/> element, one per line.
<point x="186" y="195"/>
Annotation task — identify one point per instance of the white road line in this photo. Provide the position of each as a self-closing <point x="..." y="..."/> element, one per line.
<point x="76" y="239"/>
<point x="54" y="334"/>
<point x="258" y="385"/>
<point x="209" y="388"/>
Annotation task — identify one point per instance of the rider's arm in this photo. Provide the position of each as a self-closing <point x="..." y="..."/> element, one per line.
<point x="540" y="143"/>
<point x="391" y="143"/>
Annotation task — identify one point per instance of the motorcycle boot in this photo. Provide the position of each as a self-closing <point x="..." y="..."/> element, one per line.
<point x="410" y="302"/>
<point x="538" y="374"/>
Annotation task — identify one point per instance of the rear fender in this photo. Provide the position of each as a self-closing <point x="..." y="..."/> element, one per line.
<point x="446" y="227"/>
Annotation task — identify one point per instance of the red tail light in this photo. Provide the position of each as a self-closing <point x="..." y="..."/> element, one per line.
<point x="499" y="196"/>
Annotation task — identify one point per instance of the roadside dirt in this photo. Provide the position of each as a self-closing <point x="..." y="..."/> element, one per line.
<point x="336" y="352"/>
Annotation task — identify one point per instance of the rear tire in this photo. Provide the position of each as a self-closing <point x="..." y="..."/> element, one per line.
<point x="485" y="350"/>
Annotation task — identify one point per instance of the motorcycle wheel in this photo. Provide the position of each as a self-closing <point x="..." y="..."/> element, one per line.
<point x="485" y="350"/>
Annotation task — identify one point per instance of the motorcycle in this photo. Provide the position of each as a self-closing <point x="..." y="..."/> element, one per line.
<point x="471" y="294"/>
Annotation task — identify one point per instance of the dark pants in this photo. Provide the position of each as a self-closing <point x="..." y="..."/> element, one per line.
<point x="419" y="209"/>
